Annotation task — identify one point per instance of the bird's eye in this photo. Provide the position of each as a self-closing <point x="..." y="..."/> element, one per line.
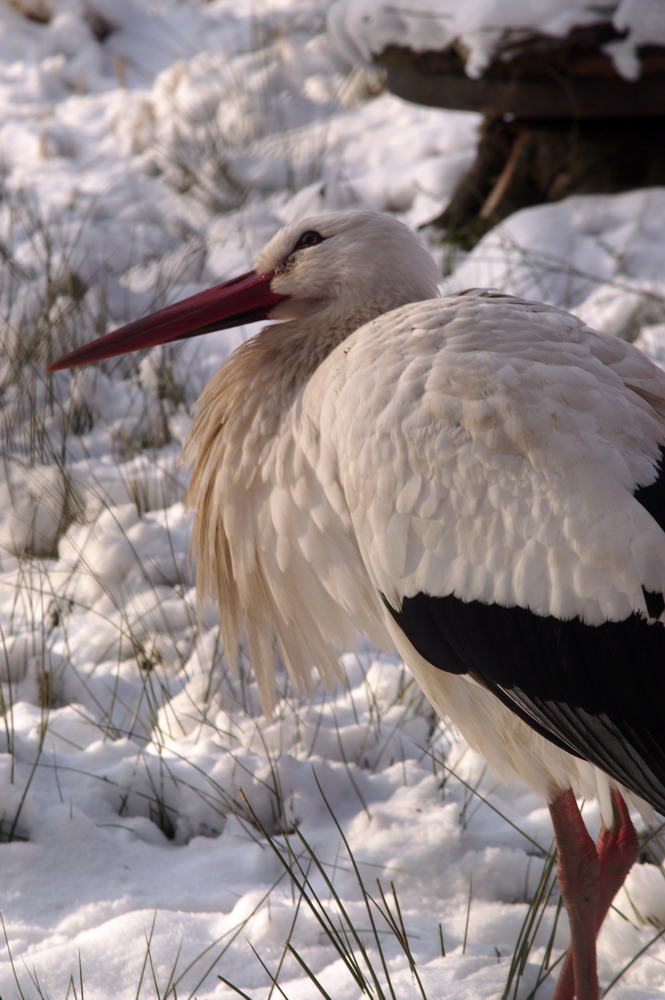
<point x="309" y="239"/>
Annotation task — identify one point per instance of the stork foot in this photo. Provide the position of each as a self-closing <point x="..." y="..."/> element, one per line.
<point x="590" y="875"/>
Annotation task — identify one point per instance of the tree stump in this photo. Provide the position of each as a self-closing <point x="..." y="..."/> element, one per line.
<point x="558" y="120"/>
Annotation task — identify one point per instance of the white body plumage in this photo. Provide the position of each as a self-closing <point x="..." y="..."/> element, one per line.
<point x="478" y="445"/>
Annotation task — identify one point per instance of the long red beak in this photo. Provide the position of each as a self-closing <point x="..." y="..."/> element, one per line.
<point x="245" y="299"/>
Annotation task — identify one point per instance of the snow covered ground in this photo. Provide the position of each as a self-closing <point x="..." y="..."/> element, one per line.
<point x="146" y="152"/>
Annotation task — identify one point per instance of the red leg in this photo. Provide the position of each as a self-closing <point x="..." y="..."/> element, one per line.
<point x="579" y="881"/>
<point x="616" y="852"/>
<point x="565" y="984"/>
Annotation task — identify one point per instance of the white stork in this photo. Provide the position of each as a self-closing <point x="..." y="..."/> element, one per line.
<point x="475" y="480"/>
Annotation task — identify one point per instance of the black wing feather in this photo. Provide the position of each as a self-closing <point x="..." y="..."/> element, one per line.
<point x="597" y="691"/>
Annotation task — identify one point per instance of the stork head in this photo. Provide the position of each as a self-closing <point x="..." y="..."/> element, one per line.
<point x="342" y="268"/>
<point x="352" y="265"/>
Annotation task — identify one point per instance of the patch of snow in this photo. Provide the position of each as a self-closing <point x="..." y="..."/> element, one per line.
<point x="147" y="151"/>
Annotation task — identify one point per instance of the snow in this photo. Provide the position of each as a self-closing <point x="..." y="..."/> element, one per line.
<point x="477" y="28"/>
<point x="145" y="153"/>
<point x="598" y="256"/>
